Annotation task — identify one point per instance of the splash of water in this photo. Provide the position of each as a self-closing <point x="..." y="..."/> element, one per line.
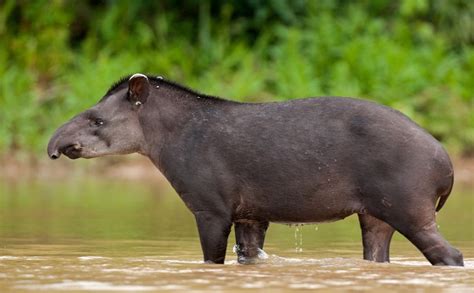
<point x="261" y="257"/>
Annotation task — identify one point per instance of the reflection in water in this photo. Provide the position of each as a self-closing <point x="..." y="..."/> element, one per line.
<point x="90" y="235"/>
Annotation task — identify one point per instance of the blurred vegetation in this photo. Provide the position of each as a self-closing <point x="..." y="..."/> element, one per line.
<point x="59" y="57"/>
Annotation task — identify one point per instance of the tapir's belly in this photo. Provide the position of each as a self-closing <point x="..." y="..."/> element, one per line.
<point x="310" y="214"/>
<point x="304" y="208"/>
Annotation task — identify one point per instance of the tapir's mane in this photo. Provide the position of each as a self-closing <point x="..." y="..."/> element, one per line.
<point x="122" y="82"/>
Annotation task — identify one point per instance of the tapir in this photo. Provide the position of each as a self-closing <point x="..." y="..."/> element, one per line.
<point x="300" y="161"/>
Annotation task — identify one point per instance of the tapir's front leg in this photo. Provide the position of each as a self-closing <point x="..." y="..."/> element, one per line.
<point x="213" y="232"/>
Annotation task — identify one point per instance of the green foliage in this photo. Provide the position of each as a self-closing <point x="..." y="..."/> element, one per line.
<point x="416" y="56"/>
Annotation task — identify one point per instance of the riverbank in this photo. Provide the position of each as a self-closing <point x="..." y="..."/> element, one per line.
<point x="135" y="168"/>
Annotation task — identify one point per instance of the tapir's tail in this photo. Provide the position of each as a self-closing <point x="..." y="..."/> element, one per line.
<point x="445" y="195"/>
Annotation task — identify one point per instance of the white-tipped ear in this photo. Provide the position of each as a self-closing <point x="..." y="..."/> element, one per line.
<point x="137" y="75"/>
<point x="138" y="88"/>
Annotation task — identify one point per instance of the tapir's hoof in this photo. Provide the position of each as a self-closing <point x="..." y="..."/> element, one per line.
<point x="250" y="260"/>
<point x="453" y="258"/>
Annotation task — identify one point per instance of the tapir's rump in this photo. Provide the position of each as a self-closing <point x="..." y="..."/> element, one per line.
<point x="300" y="161"/>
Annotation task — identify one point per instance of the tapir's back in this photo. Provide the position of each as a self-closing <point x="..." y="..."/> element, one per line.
<point x="317" y="128"/>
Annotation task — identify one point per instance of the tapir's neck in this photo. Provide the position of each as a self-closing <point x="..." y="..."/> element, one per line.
<point x="170" y="109"/>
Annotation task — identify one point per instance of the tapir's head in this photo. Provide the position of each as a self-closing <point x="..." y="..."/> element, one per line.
<point x="110" y="127"/>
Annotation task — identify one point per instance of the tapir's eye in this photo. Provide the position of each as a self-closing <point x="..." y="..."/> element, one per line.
<point x="98" y="122"/>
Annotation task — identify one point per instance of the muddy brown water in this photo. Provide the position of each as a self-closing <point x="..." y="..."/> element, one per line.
<point x="90" y="234"/>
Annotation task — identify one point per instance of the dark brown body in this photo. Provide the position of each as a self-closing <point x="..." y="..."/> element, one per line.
<point x="302" y="161"/>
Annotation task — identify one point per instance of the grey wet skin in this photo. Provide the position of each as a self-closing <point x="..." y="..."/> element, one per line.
<point x="301" y="161"/>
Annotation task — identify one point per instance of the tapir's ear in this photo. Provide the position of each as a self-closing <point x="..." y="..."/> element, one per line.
<point x="138" y="88"/>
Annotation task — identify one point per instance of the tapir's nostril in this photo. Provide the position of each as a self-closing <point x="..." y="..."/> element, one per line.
<point x="55" y="155"/>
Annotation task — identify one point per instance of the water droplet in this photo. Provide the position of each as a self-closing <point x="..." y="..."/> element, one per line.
<point x="299" y="238"/>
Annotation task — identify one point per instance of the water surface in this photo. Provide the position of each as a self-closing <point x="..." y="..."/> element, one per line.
<point x="90" y="234"/>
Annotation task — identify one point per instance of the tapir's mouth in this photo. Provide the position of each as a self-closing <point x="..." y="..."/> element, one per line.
<point x="72" y="151"/>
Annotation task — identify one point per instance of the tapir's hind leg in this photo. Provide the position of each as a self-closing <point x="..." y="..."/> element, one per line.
<point x="430" y="242"/>
<point x="250" y="236"/>
<point x="417" y="223"/>
<point x="376" y="237"/>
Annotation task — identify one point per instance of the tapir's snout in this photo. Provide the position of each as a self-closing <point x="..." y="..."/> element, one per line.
<point x="62" y="143"/>
<point x="56" y="148"/>
<point x="53" y="147"/>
